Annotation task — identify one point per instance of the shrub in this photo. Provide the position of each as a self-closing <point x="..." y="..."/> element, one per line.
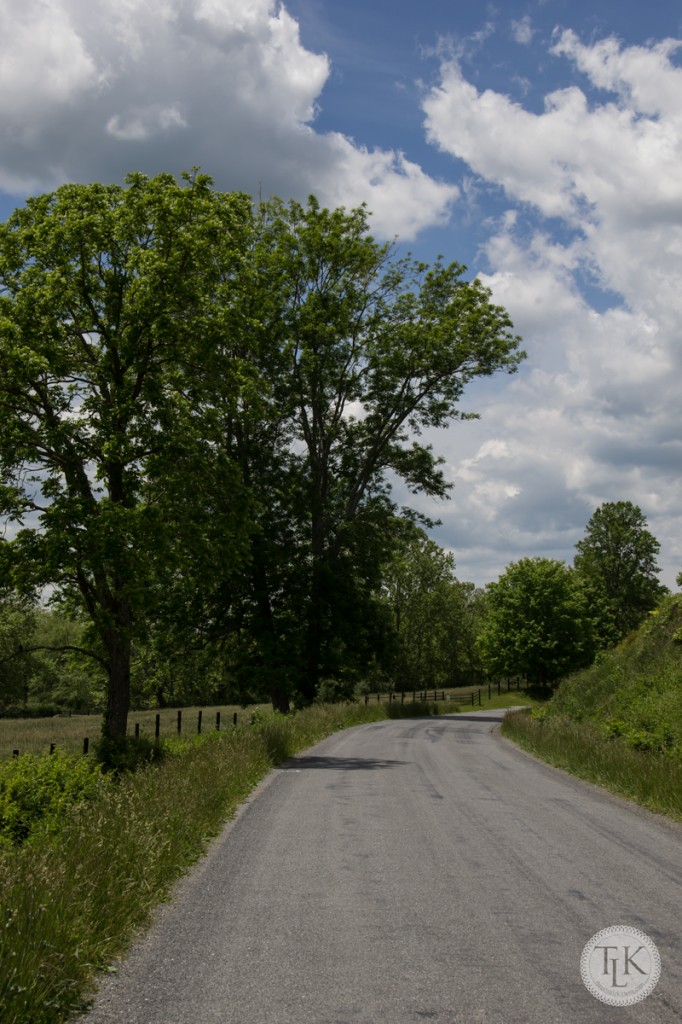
<point x="37" y="792"/>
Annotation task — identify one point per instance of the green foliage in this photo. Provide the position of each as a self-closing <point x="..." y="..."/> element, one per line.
<point x="105" y="293"/>
<point x="538" y="624"/>
<point x="17" y="623"/>
<point x="617" y="561"/>
<point x="635" y="690"/>
<point x="120" y="754"/>
<point x="335" y="691"/>
<point x="435" y="618"/>
<point x="37" y="793"/>
<point x="356" y="353"/>
<point x="41" y="664"/>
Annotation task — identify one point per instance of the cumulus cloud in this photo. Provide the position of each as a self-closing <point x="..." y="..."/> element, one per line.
<point x="90" y="89"/>
<point x="595" y="415"/>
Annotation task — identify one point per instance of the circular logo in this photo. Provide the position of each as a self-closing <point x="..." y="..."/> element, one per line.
<point x="620" y="965"/>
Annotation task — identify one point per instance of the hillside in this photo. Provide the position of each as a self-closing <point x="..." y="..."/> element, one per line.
<point x="635" y="690"/>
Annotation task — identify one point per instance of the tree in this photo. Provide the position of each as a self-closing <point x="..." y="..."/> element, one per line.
<point x="538" y="624"/>
<point x="362" y="352"/>
<point x="105" y="293"/>
<point x="617" y="560"/>
<point x="432" y="614"/>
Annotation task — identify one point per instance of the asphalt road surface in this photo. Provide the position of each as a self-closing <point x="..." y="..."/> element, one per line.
<point x="410" y="871"/>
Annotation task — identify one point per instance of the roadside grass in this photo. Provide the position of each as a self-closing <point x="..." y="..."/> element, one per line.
<point x="650" y="778"/>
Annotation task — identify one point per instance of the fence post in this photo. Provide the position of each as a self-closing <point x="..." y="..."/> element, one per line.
<point x="366" y="698"/>
<point x="402" y="697"/>
<point x="179" y="722"/>
<point x="52" y="748"/>
<point x="157" y="727"/>
<point x="479" y="698"/>
<point x="508" y="686"/>
<point x="378" y="698"/>
<point x="498" y="687"/>
<point x="199" y="722"/>
<point x="86" y="744"/>
<point x="488" y="691"/>
<point x="15" y="753"/>
<point x="137" y="730"/>
<point x="234" y="718"/>
<point x="217" y="721"/>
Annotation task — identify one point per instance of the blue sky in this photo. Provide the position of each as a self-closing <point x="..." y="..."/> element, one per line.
<point x="538" y="142"/>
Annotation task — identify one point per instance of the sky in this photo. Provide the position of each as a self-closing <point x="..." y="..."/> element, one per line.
<point x="539" y="142"/>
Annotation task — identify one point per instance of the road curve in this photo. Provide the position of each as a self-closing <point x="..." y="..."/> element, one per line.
<point x="410" y="871"/>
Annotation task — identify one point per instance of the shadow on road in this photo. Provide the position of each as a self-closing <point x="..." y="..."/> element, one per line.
<point x="490" y="717"/>
<point x="345" y="763"/>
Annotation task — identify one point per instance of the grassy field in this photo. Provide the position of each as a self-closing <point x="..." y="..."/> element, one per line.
<point x="34" y="735"/>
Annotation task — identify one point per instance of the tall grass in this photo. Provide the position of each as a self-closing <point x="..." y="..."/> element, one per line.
<point x="651" y="778"/>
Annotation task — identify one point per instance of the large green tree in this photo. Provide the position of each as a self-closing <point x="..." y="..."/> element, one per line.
<point x="107" y="295"/>
<point x="538" y="622"/>
<point x="361" y="352"/>
<point x="434" y="615"/>
<point x="617" y="560"/>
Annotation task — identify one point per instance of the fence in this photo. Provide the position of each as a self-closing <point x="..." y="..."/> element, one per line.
<point x="471" y="698"/>
<point x="422" y="696"/>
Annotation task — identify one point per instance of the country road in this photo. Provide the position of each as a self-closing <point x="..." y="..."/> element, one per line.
<point x="410" y="871"/>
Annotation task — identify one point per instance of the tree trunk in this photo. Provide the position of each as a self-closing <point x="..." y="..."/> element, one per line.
<point x="268" y="639"/>
<point x="314" y="635"/>
<point x="117" y="642"/>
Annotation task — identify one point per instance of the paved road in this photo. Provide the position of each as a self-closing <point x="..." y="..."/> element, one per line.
<point x="410" y="871"/>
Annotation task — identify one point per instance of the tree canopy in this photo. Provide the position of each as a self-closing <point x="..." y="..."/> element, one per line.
<point x="104" y="291"/>
<point x="617" y="560"/>
<point x="538" y="624"/>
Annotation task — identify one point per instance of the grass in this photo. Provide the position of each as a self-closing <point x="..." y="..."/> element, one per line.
<point x="651" y="778"/>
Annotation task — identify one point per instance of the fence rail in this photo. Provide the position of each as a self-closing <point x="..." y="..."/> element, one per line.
<point x="472" y="698"/>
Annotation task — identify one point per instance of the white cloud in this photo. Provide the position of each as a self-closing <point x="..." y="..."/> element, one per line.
<point x="522" y="30"/>
<point x="43" y="59"/>
<point x="90" y="89"/>
<point x="594" y="416"/>
<point x="139" y="125"/>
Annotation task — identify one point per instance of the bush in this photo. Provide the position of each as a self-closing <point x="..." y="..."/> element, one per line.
<point x="127" y="753"/>
<point x="37" y="792"/>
